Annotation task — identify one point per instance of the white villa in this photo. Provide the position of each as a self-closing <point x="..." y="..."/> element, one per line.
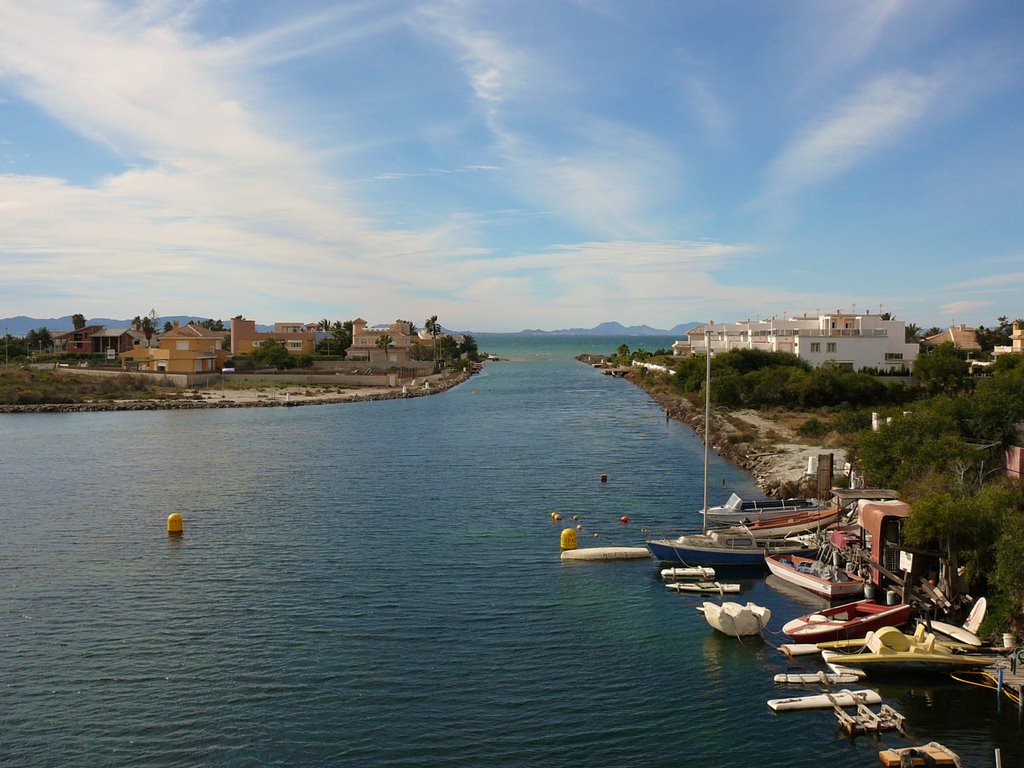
<point x="852" y="341"/>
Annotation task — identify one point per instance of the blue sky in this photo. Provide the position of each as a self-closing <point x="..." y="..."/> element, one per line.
<point x="507" y="164"/>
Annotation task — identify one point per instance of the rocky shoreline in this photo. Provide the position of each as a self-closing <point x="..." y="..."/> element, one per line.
<point x="775" y="456"/>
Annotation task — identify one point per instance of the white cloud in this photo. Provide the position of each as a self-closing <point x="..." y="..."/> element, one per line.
<point x="874" y="118"/>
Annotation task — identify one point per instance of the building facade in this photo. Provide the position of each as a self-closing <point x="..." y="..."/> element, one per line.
<point x="183" y="349"/>
<point x="298" y="338"/>
<point x="853" y="341"/>
<point x="365" y="342"/>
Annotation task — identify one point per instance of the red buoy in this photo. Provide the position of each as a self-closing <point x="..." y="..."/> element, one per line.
<point x="604" y="478"/>
<point x="623" y="519"/>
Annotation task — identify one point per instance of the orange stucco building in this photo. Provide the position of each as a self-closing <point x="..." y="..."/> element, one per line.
<point x="183" y="349"/>
<point x="297" y="338"/>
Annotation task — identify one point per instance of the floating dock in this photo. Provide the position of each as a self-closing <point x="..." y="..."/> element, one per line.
<point x="607" y="553"/>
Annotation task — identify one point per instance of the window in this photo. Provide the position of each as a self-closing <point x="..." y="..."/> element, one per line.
<point x="893" y="355"/>
<point x="294" y="345"/>
<point x="831" y="347"/>
<point x="182" y="345"/>
<point x="815" y="346"/>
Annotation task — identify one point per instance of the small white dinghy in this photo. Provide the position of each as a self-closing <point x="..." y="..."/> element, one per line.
<point x="704" y="587"/>
<point x="809" y="678"/>
<point x="736" y="620"/>
<point x="700" y="572"/>
<point x="843" y="698"/>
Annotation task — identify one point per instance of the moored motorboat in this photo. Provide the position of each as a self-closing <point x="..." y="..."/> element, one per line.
<point x="847" y="621"/>
<point x="890" y="651"/>
<point x="820" y="578"/>
<point x="725" y="548"/>
<point x="736" y="620"/>
<point x="738" y="512"/>
<point x="789" y="525"/>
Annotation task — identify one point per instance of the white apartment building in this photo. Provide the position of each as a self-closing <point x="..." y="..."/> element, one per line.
<point x="849" y="340"/>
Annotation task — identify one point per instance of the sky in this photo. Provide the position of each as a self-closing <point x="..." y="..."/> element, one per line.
<point x="510" y="164"/>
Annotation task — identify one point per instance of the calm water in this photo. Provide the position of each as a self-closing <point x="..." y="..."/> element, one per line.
<point x="378" y="584"/>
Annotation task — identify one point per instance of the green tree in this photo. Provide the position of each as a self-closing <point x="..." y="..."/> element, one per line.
<point x="469" y="347"/>
<point x="433" y="327"/>
<point x="78" y="321"/>
<point x="272" y="352"/>
<point x="147" y="325"/>
<point x="384" y="341"/>
<point x="942" y="370"/>
<point x="39" y="341"/>
<point x="446" y="347"/>
<point x="921" y="444"/>
<point x="911" y="333"/>
<point x="341" y="332"/>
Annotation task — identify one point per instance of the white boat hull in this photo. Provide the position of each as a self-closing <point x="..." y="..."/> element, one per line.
<point x="737" y="620"/>
<point x="704" y="587"/>
<point x="843" y="698"/>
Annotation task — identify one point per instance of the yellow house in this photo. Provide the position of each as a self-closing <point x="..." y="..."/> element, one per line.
<point x="296" y="337"/>
<point x="188" y="349"/>
<point x="364" y="342"/>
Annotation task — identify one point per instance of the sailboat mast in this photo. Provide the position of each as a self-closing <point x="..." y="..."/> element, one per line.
<point x="707" y="419"/>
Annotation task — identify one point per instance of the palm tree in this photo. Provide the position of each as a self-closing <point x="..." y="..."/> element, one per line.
<point x="384" y="341"/>
<point x="324" y="326"/>
<point x="148" y="327"/>
<point x="432" y="327"/>
<point x="913" y="331"/>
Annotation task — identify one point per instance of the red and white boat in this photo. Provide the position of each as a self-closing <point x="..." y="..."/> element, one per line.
<point x="846" y="622"/>
<point x="820" y="578"/>
<point x="787" y="525"/>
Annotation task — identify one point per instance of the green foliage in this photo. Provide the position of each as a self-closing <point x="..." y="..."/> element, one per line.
<point x="943" y="370"/>
<point x="998" y="336"/>
<point x="1006" y="363"/>
<point x="847" y="422"/>
<point x="753" y="378"/>
<point x="913" y="446"/>
<point x="272" y="353"/>
<point x="813" y="427"/>
<point x="1008" y="576"/>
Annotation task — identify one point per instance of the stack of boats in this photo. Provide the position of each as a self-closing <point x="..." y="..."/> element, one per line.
<point x="741" y="533"/>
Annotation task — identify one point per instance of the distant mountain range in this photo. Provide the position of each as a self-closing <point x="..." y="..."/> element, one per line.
<point x="20" y="325"/>
<point x="615" y="329"/>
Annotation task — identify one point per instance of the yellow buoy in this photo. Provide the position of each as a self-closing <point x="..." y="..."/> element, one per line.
<point x="174" y="524"/>
<point x="575" y="517"/>
<point x="568" y="539"/>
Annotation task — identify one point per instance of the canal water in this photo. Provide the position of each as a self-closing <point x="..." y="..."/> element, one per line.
<point x="378" y="584"/>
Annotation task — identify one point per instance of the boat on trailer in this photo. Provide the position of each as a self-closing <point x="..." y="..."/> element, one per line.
<point x="816" y="576"/>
